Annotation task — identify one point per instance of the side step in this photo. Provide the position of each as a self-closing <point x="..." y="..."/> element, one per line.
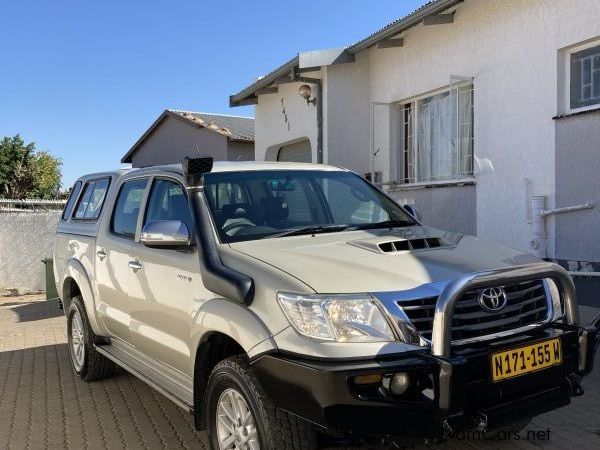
<point x="174" y="391"/>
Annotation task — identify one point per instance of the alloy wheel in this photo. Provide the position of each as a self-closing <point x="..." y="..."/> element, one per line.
<point x="77" y="341"/>
<point x="236" y="427"/>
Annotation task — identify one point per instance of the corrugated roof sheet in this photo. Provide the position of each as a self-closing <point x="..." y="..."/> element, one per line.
<point x="391" y="27"/>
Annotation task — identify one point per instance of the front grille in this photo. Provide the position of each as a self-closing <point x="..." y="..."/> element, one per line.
<point x="526" y="304"/>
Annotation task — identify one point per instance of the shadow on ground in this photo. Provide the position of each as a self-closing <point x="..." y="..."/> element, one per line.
<point x="27" y="311"/>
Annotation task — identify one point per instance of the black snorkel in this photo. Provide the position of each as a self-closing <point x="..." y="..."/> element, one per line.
<point x="216" y="276"/>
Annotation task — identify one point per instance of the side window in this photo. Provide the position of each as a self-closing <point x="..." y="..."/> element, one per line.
<point x="92" y="199"/>
<point x="168" y="202"/>
<point x="127" y="208"/>
<point x="71" y="202"/>
<point x="585" y="78"/>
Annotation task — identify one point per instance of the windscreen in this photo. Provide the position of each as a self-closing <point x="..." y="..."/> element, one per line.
<point x="267" y="204"/>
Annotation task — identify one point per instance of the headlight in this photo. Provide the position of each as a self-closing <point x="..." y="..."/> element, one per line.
<point x="341" y="318"/>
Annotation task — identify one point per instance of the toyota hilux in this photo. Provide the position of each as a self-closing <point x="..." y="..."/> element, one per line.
<point x="281" y="302"/>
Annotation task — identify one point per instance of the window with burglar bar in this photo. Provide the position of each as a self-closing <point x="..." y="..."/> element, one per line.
<point x="585" y="78"/>
<point x="436" y="136"/>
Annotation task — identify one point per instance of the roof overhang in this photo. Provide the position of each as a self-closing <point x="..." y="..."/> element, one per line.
<point x="290" y="72"/>
<point x="429" y="14"/>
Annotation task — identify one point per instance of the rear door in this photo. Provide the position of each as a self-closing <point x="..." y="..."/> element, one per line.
<point x="115" y="265"/>
<point x="163" y="290"/>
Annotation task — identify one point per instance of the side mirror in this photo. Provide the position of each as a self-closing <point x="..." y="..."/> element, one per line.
<point x="413" y="211"/>
<point x="165" y="233"/>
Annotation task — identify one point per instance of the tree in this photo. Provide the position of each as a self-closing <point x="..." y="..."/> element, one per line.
<point x="15" y="176"/>
<point x="25" y="173"/>
<point x="45" y="170"/>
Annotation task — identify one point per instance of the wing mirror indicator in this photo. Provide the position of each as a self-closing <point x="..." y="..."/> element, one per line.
<point x="165" y="233"/>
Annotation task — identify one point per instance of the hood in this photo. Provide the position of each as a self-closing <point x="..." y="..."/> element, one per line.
<point x="380" y="260"/>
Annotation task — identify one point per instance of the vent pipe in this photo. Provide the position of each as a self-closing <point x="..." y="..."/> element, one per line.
<point x="539" y="240"/>
<point x="539" y="213"/>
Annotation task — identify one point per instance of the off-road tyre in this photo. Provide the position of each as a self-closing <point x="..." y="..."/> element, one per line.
<point x="95" y="366"/>
<point x="277" y="430"/>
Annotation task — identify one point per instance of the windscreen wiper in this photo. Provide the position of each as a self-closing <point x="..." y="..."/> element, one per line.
<point x="310" y="230"/>
<point x="385" y="224"/>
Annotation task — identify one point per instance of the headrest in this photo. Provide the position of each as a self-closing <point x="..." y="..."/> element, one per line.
<point x="275" y="209"/>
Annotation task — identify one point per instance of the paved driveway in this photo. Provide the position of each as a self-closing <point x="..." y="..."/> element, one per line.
<point x="43" y="406"/>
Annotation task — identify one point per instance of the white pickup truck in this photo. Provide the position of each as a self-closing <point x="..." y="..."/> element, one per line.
<point x="280" y="303"/>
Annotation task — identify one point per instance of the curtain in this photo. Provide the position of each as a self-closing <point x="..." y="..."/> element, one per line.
<point x="434" y="137"/>
<point x="444" y="135"/>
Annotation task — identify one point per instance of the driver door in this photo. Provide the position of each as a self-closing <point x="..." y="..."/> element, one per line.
<point x="163" y="289"/>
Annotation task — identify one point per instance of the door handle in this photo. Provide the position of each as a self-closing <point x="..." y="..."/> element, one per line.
<point x="101" y="254"/>
<point x="135" y="265"/>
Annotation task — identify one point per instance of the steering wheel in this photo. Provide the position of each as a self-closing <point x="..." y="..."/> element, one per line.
<point x="234" y="225"/>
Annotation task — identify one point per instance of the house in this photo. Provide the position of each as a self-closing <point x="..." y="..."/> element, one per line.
<point x="176" y="134"/>
<point x="486" y="114"/>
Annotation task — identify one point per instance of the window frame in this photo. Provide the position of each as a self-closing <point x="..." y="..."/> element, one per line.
<point x="80" y="198"/>
<point x="148" y="180"/>
<point x="66" y="214"/>
<point x="403" y="176"/>
<point x="148" y="197"/>
<point x="567" y="77"/>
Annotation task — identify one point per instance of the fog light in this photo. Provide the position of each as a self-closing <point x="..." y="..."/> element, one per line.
<point x="400" y="383"/>
<point x="368" y="379"/>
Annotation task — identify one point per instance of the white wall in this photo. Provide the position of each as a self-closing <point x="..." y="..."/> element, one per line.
<point x="511" y="49"/>
<point x="347" y="115"/>
<point x="25" y="239"/>
<point x="283" y="118"/>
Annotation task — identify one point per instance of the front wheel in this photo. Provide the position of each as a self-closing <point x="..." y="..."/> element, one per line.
<point x="241" y="416"/>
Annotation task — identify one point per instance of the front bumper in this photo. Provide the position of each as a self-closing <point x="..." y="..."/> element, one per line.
<point x="454" y="393"/>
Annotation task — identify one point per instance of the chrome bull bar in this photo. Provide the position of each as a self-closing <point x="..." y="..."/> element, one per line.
<point x="441" y="337"/>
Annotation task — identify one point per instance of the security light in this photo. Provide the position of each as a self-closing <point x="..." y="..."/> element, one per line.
<point x="305" y="92"/>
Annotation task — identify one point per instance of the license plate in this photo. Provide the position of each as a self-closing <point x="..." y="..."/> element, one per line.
<point x="522" y="360"/>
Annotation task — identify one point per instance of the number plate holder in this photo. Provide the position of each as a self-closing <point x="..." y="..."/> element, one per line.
<point x="525" y="359"/>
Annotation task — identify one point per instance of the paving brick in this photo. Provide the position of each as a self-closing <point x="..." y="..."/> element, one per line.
<point x="44" y="406"/>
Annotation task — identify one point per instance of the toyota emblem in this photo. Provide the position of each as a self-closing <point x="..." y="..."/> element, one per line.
<point x="492" y="299"/>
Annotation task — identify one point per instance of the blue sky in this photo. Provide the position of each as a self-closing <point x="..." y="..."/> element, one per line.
<point x="84" y="79"/>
